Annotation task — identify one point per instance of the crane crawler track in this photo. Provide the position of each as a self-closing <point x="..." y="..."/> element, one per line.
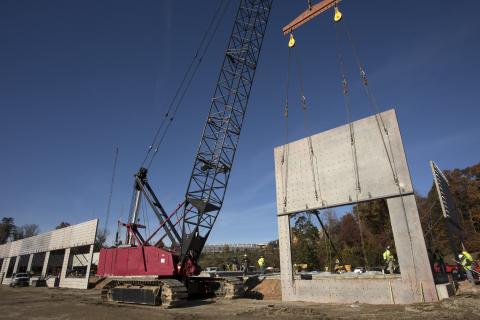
<point x="218" y="287"/>
<point x="167" y="293"/>
<point x="232" y="288"/>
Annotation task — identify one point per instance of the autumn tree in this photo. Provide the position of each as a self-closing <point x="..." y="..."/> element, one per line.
<point x="376" y="230"/>
<point x="465" y="188"/>
<point x="305" y="242"/>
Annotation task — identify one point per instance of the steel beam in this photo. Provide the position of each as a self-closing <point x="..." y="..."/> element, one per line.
<point x="309" y="14"/>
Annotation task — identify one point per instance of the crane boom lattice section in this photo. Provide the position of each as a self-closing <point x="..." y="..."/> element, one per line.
<point x="215" y="155"/>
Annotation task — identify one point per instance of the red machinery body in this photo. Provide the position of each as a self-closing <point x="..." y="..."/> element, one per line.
<point x="136" y="261"/>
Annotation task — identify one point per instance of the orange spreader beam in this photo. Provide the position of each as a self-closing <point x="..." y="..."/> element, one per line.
<point x="309" y="14"/>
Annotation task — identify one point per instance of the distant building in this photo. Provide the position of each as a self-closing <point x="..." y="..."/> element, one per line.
<point x="232" y="247"/>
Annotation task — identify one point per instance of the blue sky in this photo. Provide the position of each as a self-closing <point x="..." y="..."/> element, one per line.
<point x="78" y="78"/>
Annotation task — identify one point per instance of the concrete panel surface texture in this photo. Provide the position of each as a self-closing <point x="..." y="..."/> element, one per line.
<point x="337" y="182"/>
<point x="331" y="170"/>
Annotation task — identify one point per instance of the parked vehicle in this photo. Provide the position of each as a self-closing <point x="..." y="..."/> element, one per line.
<point x="449" y="268"/>
<point x="359" y="270"/>
<point x="20" y="279"/>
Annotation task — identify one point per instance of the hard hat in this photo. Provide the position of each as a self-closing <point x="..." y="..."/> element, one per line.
<point x="388" y="247"/>
<point x="460" y="255"/>
<point x="245" y="255"/>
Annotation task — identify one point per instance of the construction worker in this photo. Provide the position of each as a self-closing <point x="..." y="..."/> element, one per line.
<point x="466" y="261"/>
<point x="337" y="267"/>
<point x="388" y="258"/>
<point x="246" y="263"/>
<point x="261" y="264"/>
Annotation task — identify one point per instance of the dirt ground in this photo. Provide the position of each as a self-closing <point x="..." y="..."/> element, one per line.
<point x="43" y="303"/>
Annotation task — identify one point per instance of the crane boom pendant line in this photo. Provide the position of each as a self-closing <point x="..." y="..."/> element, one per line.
<point x="185" y="83"/>
<point x="213" y="162"/>
<point x="110" y="194"/>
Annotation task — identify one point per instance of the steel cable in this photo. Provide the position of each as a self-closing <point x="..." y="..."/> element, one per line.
<point x="186" y="81"/>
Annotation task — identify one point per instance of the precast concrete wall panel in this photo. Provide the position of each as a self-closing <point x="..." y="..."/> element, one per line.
<point x="4" y="250"/>
<point x="345" y="173"/>
<point x="330" y="168"/>
<point x="449" y="209"/>
<point x="82" y="234"/>
<point x="445" y="196"/>
<point x="73" y="236"/>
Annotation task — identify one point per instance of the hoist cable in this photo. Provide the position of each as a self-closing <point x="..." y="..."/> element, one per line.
<point x="372" y="102"/>
<point x="362" y="240"/>
<point x="348" y="111"/>
<point x="332" y="246"/>
<point x="380" y="125"/>
<point x="186" y="81"/>
<point x="110" y="194"/>
<point x="303" y="101"/>
<point x="352" y="138"/>
<point x="187" y="86"/>
<point x="286" y="146"/>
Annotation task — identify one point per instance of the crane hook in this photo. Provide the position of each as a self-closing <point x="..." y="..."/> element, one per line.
<point x="291" y="42"/>
<point x="338" y="15"/>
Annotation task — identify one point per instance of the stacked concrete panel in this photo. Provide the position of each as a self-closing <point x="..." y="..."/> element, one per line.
<point x="328" y="170"/>
<point x="82" y="234"/>
<point x="449" y="209"/>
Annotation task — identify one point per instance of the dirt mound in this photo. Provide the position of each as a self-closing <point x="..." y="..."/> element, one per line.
<point x="267" y="289"/>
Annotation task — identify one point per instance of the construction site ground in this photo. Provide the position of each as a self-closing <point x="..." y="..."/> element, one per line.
<point x="45" y="303"/>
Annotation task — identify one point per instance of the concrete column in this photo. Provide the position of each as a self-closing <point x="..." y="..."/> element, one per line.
<point x="89" y="265"/>
<point x="286" y="268"/>
<point x="63" y="273"/>
<point x="2" y="266"/>
<point x="411" y="249"/>
<point x="3" y="269"/>
<point x="45" y="264"/>
<point x="16" y="265"/>
<point x="29" y="265"/>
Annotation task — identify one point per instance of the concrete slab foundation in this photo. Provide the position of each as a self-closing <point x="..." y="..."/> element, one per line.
<point x="445" y="290"/>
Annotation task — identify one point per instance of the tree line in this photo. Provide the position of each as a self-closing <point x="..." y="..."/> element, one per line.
<point x="11" y="232"/>
<point x="357" y="238"/>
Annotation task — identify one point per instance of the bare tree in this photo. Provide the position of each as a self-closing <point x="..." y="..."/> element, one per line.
<point x="7" y="227"/>
<point x="25" y="231"/>
<point x="30" y="230"/>
<point x="100" y="240"/>
<point x="62" y="225"/>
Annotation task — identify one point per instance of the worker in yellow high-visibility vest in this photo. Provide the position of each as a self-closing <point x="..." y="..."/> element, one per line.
<point x="261" y="264"/>
<point x="466" y="261"/>
<point x="388" y="258"/>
